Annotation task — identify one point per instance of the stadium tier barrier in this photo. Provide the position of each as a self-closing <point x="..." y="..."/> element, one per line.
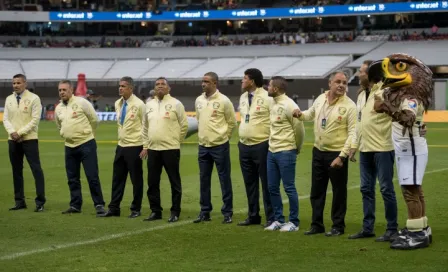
<point x="430" y="116"/>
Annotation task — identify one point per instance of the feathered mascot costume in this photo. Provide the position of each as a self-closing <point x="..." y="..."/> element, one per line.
<point x="408" y="89"/>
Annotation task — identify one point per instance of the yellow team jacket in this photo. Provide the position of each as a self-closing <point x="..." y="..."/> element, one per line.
<point x="130" y="133"/>
<point x="22" y="118"/>
<point x="340" y="123"/>
<point x="165" y="124"/>
<point x="373" y="130"/>
<point x="216" y="119"/>
<point x="287" y="133"/>
<point x="76" y="121"/>
<point x="255" y="120"/>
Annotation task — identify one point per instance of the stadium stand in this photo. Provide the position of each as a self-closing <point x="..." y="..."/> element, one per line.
<point x="305" y="61"/>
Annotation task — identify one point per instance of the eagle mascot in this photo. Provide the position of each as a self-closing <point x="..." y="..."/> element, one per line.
<point x="408" y="88"/>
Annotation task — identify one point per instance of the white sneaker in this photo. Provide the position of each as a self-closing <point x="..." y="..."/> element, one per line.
<point x="289" y="227"/>
<point x="274" y="226"/>
<point x="428" y="232"/>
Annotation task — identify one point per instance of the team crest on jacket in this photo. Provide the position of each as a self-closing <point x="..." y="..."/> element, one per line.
<point x="199" y="106"/>
<point x="134" y="109"/>
<point x="280" y="111"/>
<point x="74" y="107"/>
<point x="342" y="110"/>
<point x="260" y="101"/>
<point x="168" y="107"/>
<point x="412" y="103"/>
<point x="27" y="102"/>
<point x="216" y="105"/>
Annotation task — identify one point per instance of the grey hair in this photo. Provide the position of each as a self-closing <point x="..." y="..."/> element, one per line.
<point x="337" y="72"/>
<point x="129" y="80"/>
<point x="66" y="81"/>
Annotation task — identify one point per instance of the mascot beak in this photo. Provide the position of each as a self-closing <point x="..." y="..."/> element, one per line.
<point x="397" y="79"/>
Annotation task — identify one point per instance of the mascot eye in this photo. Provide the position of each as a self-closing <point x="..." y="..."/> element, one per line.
<point x="401" y="66"/>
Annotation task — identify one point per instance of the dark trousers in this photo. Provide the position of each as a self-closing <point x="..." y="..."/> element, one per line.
<point x="168" y="159"/>
<point x="253" y="162"/>
<point x="219" y="155"/>
<point x="29" y="149"/>
<point x="127" y="161"/>
<point x="321" y="172"/>
<point x="85" y="154"/>
<point x="381" y="165"/>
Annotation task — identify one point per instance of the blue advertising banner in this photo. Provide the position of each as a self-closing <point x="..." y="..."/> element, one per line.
<point x="248" y="14"/>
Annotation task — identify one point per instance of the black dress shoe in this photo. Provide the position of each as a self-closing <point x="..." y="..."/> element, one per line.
<point x="314" y="230"/>
<point x="173" y="218"/>
<point x="134" y="214"/>
<point x="18" y="207"/>
<point x="361" y="234"/>
<point x="387" y="236"/>
<point x="202" y="218"/>
<point x="334" y="232"/>
<point x="39" y="208"/>
<point x="249" y="221"/>
<point x="100" y="211"/>
<point x="154" y="216"/>
<point x="227" y="220"/>
<point x="71" y="210"/>
<point x="110" y="213"/>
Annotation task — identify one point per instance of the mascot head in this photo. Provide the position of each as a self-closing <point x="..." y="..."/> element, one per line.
<point x="406" y="75"/>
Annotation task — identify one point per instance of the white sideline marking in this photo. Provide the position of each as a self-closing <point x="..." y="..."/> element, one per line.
<point x="131" y="233"/>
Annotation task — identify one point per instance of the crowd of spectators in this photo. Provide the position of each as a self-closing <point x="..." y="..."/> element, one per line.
<point x="270" y="39"/>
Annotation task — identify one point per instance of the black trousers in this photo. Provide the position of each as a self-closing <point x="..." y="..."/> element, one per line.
<point x="321" y="172"/>
<point x="168" y="159"/>
<point x="85" y="154"/>
<point x="127" y="161"/>
<point x="219" y="155"/>
<point x="29" y="149"/>
<point x="253" y="162"/>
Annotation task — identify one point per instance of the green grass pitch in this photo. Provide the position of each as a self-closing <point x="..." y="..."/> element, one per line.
<point x="51" y="241"/>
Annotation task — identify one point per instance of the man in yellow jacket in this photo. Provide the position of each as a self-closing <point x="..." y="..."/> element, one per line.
<point x="76" y="120"/>
<point x="164" y="128"/>
<point x="216" y="121"/>
<point x="373" y="139"/>
<point x="285" y="142"/>
<point x="21" y="120"/>
<point x="255" y="108"/>
<point x="130" y="111"/>
<point x="334" y="116"/>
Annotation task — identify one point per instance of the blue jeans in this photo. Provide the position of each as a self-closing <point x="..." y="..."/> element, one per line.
<point x="282" y="165"/>
<point x="381" y="165"/>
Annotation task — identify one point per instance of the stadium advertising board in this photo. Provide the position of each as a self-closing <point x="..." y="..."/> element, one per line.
<point x="107" y="116"/>
<point x="247" y="14"/>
